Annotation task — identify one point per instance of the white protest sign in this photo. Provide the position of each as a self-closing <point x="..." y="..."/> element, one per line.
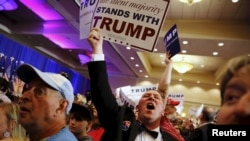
<point x="127" y="22"/>
<point x="87" y="9"/>
<point x="192" y="111"/>
<point x="199" y="110"/>
<point x="124" y="92"/>
<point x="196" y="111"/>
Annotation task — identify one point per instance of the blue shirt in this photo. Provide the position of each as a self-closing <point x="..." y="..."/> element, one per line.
<point x="63" y="135"/>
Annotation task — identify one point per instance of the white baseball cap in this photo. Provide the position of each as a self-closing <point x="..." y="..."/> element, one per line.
<point x="27" y="72"/>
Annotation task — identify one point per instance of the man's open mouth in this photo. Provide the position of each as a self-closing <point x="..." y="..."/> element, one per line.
<point x="150" y="106"/>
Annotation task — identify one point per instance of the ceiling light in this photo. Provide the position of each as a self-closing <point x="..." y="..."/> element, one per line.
<point x="190" y="2"/>
<point x="128" y="48"/>
<point x="182" y="67"/>
<point x="83" y="58"/>
<point x="220" y="44"/>
<point x="184" y="42"/>
<point x="234" y="1"/>
<point x="132" y="58"/>
<point x="215" y="53"/>
<point x="183" y="114"/>
<point x="184" y="51"/>
<point x="7" y="5"/>
<point x="42" y="9"/>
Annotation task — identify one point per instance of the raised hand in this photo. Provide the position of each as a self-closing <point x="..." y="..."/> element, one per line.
<point x="96" y="41"/>
<point x="167" y="59"/>
<point x="17" y="86"/>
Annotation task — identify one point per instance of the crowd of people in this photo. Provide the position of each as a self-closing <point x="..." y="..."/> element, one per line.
<point x="42" y="106"/>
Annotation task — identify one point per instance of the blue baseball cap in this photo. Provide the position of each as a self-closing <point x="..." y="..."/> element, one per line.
<point x="27" y="72"/>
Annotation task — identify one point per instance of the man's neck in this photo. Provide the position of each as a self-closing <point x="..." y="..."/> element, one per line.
<point x="151" y="125"/>
<point x="46" y="132"/>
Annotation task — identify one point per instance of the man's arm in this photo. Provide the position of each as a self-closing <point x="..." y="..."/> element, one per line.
<point x="165" y="80"/>
<point x="102" y="95"/>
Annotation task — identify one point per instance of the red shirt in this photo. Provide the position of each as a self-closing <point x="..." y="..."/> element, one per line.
<point x="96" y="134"/>
<point x="167" y="126"/>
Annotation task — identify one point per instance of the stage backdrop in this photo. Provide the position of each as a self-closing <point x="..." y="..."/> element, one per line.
<point x="12" y="54"/>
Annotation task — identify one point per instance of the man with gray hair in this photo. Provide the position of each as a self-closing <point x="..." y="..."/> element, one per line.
<point x="46" y="100"/>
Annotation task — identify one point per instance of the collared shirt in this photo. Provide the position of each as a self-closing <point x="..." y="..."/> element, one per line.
<point x="97" y="57"/>
<point x="145" y="136"/>
<point x="63" y="135"/>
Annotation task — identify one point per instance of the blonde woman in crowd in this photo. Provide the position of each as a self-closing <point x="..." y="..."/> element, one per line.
<point x="10" y="129"/>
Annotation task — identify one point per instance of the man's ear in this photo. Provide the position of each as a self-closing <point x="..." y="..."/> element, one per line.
<point x="63" y="104"/>
<point x="89" y="126"/>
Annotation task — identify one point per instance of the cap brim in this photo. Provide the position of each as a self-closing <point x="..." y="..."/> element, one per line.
<point x="27" y="73"/>
<point x="173" y="102"/>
